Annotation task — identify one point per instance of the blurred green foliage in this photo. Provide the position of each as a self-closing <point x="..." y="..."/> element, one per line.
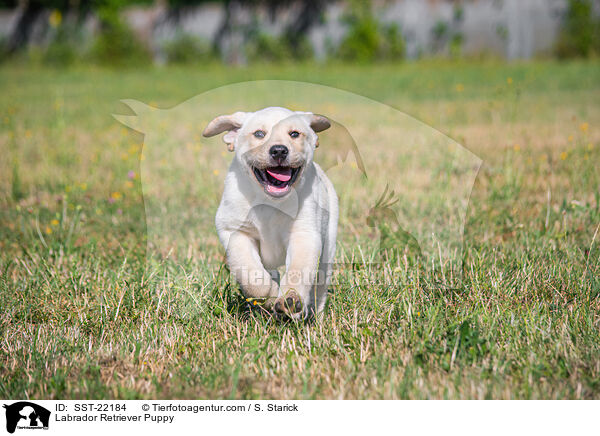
<point x="62" y="50"/>
<point x="186" y="49"/>
<point x="393" y="46"/>
<point x="367" y="39"/>
<point x="447" y="35"/>
<point x="116" y="44"/>
<point x="362" y="40"/>
<point x="262" y="47"/>
<point x="580" y="35"/>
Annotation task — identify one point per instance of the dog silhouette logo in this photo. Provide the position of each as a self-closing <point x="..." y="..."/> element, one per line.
<point x="411" y="182"/>
<point x="26" y="415"/>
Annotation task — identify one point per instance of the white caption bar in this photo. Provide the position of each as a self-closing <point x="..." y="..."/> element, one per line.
<point x="158" y="417"/>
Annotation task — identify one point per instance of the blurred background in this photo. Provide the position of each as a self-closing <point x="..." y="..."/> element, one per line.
<point x="239" y="32"/>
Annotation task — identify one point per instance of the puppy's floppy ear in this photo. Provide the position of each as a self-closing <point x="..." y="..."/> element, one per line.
<point x="226" y="123"/>
<point x="319" y="123"/>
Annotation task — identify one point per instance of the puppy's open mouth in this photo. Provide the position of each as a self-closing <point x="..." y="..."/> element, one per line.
<point x="277" y="181"/>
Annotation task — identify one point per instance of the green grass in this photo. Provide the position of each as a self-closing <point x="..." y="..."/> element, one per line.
<point x="85" y="314"/>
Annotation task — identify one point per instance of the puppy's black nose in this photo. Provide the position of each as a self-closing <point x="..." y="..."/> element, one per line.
<point x="278" y="152"/>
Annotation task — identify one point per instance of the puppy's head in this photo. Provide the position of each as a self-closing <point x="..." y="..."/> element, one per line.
<point x="274" y="145"/>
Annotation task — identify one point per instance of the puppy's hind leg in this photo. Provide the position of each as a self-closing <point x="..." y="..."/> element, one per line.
<point x="244" y="262"/>
<point x="318" y="295"/>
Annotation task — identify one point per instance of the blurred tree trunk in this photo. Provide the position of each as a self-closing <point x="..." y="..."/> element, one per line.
<point x="310" y="14"/>
<point x="226" y="27"/>
<point x="31" y="10"/>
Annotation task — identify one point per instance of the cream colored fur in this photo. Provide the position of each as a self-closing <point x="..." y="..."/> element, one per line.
<point x="260" y="232"/>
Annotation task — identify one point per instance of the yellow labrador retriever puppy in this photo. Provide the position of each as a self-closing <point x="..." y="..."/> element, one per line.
<point x="278" y="208"/>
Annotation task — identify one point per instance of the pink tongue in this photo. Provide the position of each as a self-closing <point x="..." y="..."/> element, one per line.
<point x="281" y="174"/>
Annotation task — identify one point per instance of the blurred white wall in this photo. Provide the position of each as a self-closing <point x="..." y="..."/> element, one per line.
<point x="507" y="28"/>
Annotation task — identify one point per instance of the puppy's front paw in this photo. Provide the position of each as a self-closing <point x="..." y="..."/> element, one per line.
<point x="288" y="304"/>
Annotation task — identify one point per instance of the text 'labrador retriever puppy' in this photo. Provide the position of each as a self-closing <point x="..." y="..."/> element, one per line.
<point x="278" y="208"/>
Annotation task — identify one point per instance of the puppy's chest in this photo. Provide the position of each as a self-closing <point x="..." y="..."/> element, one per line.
<point x="273" y="234"/>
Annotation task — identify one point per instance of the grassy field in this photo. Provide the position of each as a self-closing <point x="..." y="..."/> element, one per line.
<point x="86" y="314"/>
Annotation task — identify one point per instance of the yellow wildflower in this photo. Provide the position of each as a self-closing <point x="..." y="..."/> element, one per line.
<point x="55" y="18"/>
<point x="54" y="222"/>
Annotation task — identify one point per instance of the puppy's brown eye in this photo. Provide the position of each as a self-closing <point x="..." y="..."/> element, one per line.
<point x="259" y="134"/>
<point x="294" y="134"/>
